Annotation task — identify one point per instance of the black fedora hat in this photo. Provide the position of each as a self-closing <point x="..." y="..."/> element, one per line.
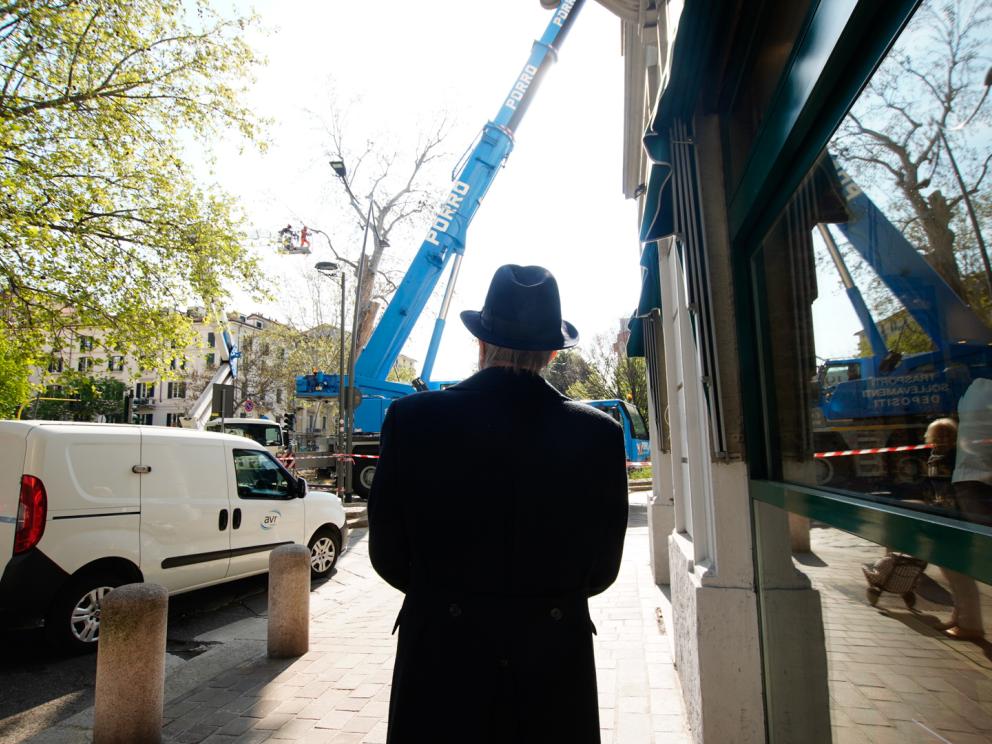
<point x="522" y="311"/>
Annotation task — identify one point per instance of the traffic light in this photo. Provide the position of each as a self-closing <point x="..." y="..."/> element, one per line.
<point x="289" y="421"/>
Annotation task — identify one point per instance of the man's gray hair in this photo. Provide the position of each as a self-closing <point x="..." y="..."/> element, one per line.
<point x="517" y="359"/>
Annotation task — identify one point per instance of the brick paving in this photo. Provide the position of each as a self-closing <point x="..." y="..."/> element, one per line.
<point x="892" y="677"/>
<point x="339" y="692"/>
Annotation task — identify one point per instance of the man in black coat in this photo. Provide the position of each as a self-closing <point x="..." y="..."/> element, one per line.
<point x="499" y="506"/>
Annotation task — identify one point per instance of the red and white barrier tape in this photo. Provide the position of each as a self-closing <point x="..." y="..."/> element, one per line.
<point x="873" y="450"/>
<point x="339" y="456"/>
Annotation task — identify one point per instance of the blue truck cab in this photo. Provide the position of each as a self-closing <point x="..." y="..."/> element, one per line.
<point x="636" y="441"/>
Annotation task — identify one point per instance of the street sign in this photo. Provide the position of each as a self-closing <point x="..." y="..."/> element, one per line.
<point x="223" y="401"/>
<point x="249" y="406"/>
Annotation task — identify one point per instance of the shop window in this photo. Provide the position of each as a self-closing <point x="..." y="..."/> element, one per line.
<point x="211" y="339"/>
<point x="876" y="296"/>
<point x="875" y="318"/>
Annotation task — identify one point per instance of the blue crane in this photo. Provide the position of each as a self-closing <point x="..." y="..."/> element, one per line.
<point x="444" y="246"/>
<point x="887" y="397"/>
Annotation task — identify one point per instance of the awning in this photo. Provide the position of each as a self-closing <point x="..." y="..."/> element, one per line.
<point x="697" y="27"/>
<point x="658" y="222"/>
<point x="650" y="299"/>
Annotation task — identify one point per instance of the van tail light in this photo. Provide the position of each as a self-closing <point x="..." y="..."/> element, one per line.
<point x="32" y="509"/>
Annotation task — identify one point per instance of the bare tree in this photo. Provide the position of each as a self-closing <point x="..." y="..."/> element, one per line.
<point x="404" y="189"/>
<point x="930" y="81"/>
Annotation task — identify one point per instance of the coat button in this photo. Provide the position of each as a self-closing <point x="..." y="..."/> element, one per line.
<point x="556" y="613"/>
<point x="454" y="610"/>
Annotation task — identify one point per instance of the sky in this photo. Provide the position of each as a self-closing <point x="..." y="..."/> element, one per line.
<point x="395" y="66"/>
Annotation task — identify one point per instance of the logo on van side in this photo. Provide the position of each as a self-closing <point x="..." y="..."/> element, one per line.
<point x="270" y="519"/>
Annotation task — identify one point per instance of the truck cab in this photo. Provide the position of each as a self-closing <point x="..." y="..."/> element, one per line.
<point x="265" y="432"/>
<point x="636" y="441"/>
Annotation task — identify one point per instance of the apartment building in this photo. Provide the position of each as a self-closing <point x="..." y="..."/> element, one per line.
<point x="161" y="400"/>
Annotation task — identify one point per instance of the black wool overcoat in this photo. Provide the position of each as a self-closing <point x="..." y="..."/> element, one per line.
<point x="498" y="507"/>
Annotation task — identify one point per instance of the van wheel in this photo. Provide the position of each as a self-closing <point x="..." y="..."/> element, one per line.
<point x="73" y="622"/>
<point x="324" y="546"/>
<point x="361" y="477"/>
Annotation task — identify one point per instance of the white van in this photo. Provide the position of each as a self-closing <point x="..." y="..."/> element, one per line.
<point x="87" y="507"/>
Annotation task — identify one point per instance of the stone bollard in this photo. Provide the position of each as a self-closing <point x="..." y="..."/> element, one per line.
<point x="289" y="601"/>
<point x="130" y="665"/>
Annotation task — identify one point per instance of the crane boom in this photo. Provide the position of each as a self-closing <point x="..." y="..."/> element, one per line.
<point x="446" y="236"/>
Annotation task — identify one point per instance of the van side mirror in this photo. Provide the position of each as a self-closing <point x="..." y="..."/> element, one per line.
<point x="301" y="488"/>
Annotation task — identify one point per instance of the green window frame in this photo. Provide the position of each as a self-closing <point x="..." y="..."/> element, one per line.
<point x="841" y="46"/>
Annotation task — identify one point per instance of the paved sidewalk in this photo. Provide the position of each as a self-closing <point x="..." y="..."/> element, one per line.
<point x="893" y="678"/>
<point x="339" y="692"/>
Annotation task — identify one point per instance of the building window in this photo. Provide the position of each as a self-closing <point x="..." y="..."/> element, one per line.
<point x="85" y="364"/>
<point x="211" y="361"/>
<point x="172" y="419"/>
<point x="176" y="390"/>
<point x="258" y="324"/>
<point x="278" y="395"/>
<point x="145" y="419"/>
<point x="211" y="339"/>
<point x="144" y="390"/>
<point x="56" y="364"/>
<point x="115" y="363"/>
<point x="86" y="343"/>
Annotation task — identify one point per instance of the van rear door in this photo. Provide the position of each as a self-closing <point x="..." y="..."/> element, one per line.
<point x="13" y="436"/>
<point x="185" y="514"/>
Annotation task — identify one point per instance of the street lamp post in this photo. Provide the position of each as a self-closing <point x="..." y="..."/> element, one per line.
<point x="341" y="172"/>
<point x="329" y="269"/>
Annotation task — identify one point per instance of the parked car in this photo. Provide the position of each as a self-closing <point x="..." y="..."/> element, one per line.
<point x="87" y="507"/>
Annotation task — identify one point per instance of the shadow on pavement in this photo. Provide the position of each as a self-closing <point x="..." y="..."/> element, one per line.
<point x="809" y="559"/>
<point x="637" y="515"/>
<point x="42" y="686"/>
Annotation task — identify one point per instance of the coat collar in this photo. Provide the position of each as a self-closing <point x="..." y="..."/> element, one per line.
<point x="505" y="380"/>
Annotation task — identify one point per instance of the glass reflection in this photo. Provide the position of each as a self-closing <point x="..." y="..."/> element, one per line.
<point x="855" y="642"/>
<point x="876" y="285"/>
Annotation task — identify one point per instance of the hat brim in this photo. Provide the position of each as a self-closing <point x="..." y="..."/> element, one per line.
<point x="568" y="337"/>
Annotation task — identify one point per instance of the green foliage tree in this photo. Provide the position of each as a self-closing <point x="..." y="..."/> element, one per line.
<point x="15" y="368"/>
<point x="103" y="223"/>
<point x="612" y="374"/>
<point x="94" y="397"/>
<point x="567" y="369"/>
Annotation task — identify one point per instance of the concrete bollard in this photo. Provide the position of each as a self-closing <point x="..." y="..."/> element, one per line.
<point x="289" y="601"/>
<point x="130" y="665"/>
